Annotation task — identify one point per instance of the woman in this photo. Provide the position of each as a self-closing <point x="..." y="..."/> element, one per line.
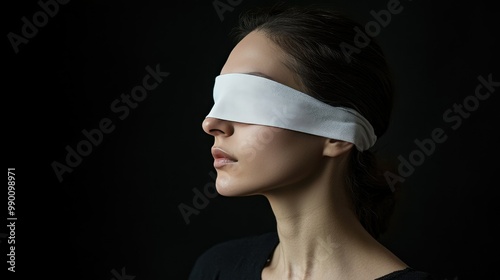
<point x="294" y="118"/>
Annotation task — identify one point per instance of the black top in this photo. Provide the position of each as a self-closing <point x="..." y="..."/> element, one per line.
<point x="245" y="258"/>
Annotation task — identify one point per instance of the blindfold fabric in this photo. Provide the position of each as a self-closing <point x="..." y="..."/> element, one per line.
<point x="252" y="99"/>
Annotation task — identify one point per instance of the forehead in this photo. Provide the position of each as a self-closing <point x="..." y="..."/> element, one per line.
<point x="257" y="54"/>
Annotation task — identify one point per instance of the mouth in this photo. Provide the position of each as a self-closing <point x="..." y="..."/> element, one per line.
<point x="222" y="158"/>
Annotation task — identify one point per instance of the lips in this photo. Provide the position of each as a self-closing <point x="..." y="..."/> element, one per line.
<point x="222" y="158"/>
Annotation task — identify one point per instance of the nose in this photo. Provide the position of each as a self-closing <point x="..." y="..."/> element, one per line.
<point x="217" y="127"/>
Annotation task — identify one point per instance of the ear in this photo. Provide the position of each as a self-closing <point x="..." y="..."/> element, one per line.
<point x="335" y="148"/>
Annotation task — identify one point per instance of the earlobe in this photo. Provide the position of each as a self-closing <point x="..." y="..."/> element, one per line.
<point x="335" y="148"/>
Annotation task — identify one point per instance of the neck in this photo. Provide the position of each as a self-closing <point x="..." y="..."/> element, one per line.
<point x="320" y="234"/>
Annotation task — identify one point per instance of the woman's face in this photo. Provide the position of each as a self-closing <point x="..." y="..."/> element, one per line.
<point x="252" y="159"/>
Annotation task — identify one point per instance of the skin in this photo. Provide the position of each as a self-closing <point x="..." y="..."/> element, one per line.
<point x="303" y="177"/>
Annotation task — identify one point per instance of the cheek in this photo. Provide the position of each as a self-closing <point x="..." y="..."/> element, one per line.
<point x="289" y="160"/>
<point x="275" y="157"/>
<point x="258" y="151"/>
<point x="259" y="142"/>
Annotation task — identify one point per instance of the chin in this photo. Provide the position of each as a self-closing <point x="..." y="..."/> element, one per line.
<point x="228" y="190"/>
<point x="227" y="187"/>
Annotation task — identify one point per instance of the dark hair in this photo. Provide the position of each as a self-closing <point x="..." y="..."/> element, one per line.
<point x="313" y="38"/>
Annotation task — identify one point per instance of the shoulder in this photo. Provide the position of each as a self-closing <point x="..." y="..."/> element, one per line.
<point x="237" y="256"/>
<point x="408" y="274"/>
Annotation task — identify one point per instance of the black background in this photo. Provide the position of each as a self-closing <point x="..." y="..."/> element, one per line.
<point x="118" y="209"/>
